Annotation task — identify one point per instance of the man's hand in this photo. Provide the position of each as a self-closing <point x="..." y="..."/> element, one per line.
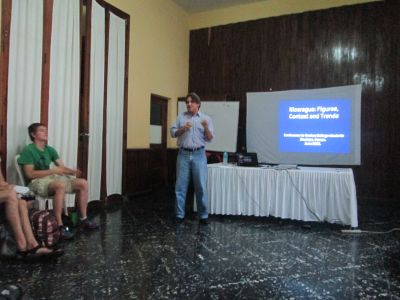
<point x="187" y="126"/>
<point x="183" y="129"/>
<point x="204" y="123"/>
<point x="207" y="132"/>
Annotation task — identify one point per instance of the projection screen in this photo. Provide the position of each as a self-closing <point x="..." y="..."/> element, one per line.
<point x="310" y="127"/>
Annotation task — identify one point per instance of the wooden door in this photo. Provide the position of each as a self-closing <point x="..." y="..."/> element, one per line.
<point x="158" y="141"/>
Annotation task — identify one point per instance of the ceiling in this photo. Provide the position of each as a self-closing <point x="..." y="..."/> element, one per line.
<point x="193" y="6"/>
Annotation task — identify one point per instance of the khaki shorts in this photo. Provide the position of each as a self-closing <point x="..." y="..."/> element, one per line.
<point x="40" y="186"/>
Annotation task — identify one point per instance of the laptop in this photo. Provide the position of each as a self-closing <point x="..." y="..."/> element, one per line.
<point x="247" y="159"/>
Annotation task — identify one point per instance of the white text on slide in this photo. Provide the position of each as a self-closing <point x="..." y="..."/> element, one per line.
<point x="318" y="112"/>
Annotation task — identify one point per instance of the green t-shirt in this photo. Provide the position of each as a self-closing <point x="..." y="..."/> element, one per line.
<point x="40" y="159"/>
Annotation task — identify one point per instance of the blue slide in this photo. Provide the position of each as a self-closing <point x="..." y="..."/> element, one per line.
<point x="318" y="126"/>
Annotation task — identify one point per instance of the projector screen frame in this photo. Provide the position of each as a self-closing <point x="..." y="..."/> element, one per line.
<point x="263" y="136"/>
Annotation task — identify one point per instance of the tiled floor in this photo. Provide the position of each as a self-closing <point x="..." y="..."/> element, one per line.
<point x="139" y="253"/>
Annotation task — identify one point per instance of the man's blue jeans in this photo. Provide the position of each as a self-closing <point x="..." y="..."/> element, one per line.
<point x="195" y="164"/>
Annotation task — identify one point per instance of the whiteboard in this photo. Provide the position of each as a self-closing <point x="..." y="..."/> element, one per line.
<point x="225" y="117"/>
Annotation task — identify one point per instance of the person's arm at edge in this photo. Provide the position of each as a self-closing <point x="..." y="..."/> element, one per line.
<point x="2" y="177"/>
<point x="3" y="182"/>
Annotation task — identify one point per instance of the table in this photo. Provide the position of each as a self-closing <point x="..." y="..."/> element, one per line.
<point x="305" y="193"/>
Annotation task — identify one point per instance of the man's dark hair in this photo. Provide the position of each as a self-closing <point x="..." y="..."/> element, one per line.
<point x="195" y="98"/>
<point x="32" y="129"/>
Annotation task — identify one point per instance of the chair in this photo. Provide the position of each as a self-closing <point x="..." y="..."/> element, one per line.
<point x="40" y="202"/>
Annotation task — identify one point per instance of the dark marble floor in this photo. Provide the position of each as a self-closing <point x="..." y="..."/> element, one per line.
<point x="139" y="253"/>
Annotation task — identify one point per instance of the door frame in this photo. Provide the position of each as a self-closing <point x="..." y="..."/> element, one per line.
<point x="85" y="110"/>
<point x="4" y="62"/>
<point x="163" y="146"/>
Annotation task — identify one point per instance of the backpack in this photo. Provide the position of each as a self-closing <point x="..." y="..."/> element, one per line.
<point x="45" y="228"/>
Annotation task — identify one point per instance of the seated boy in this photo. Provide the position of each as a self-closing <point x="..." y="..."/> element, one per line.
<point x="43" y="181"/>
<point x="16" y="212"/>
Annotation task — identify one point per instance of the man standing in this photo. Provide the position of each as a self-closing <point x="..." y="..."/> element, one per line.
<point x="45" y="181"/>
<point x="193" y="130"/>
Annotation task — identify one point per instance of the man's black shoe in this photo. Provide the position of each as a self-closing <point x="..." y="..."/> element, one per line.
<point x="204" y="221"/>
<point x="179" y="220"/>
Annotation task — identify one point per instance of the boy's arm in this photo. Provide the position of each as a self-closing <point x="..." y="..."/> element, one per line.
<point x="31" y="173"/>
<point x="67" y="171"/>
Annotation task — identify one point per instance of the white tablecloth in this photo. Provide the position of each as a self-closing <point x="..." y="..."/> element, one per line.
<point x="307" y="193"/>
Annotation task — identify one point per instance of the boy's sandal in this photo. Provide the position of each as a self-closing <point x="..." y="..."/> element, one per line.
<point x="33" y="254"/>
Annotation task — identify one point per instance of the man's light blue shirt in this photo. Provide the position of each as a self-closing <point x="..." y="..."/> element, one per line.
<point x="195" y="137"/>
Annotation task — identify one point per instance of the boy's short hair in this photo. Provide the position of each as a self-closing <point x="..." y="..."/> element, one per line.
<point x="32" y="129"/>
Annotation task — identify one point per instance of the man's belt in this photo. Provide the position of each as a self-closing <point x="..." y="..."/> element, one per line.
<point x="193" y="149"/>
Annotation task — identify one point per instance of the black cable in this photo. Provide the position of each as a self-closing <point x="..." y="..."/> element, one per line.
<point x="302" y="197"/>
<point x="248" y="194"/>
